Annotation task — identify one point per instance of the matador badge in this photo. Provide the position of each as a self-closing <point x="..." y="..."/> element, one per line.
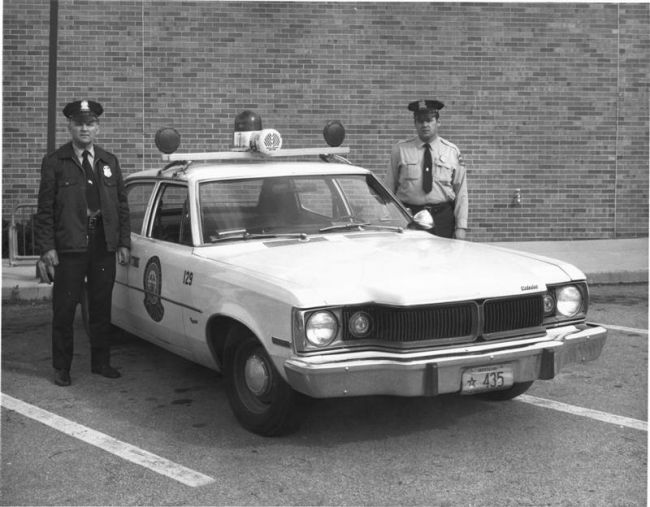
<point x="107" y="172"/>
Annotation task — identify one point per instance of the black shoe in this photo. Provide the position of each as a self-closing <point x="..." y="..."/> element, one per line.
<point x="106" y="371"/>
<point x="62" y="378"/>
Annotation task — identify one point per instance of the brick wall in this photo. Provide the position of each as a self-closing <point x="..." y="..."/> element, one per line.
<point x="551" y="99"/>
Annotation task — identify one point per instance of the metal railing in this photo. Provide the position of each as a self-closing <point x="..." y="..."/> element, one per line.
<point x="22" y="246"/>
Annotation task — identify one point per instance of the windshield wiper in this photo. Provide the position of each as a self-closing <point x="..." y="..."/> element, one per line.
<point x="395" y="228"/>
<point x="361" y="226"/>
<point x="239" y="234"/>
<point x="262" y="235"/>
<point x="347" y="225"/>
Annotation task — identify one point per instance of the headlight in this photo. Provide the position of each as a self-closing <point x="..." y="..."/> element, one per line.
<point x="321" y="328"/>
<point x="569" y="300"/>
<point x="549" y="304"/>
<point x="360" y="325"/>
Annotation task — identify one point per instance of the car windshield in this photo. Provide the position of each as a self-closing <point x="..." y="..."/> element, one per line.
<point x="295" y="206"/>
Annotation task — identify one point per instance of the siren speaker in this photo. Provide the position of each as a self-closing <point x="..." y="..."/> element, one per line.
<point x="266" y="141"/>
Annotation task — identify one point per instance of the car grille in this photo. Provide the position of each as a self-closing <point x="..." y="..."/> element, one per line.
<point x="501" y="315"/>
<point x="394" y="324"/>
<point x="455" y="323"/>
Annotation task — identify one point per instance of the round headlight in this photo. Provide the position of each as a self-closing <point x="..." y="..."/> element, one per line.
<point x="360" y="324"/>
<point x="321" y="328"/>
<point x="549" y="304"/>
<point x="569" y="300"/>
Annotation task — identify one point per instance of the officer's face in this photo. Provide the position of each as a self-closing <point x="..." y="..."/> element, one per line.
<point x="83" y="131"/>
<point x="427" y="127"/>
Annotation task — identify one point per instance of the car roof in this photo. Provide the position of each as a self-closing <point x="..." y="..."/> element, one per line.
<point x="205" y="171"/>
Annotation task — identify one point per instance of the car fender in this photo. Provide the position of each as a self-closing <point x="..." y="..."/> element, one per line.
<point x="267" y="318"/>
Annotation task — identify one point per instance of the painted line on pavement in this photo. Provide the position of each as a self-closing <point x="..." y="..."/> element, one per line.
<point x="584" y="412"/>
<point x="623" y="328"/>
<point x="121" y="449"/>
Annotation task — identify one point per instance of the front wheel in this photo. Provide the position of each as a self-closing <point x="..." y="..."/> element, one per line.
<point x="260" y="398"/>
<point x="507" y="394"/>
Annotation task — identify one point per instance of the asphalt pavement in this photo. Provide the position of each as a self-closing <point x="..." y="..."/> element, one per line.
<point x="604" y="261"/>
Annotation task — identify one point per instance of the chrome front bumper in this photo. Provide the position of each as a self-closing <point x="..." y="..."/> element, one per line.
<point x="430" y="373"/>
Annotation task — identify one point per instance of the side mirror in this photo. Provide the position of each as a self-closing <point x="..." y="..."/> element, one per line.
<point x="423" y="219"/>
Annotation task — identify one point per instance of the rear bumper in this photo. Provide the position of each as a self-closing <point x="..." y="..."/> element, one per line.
<point x="431" y="373"/>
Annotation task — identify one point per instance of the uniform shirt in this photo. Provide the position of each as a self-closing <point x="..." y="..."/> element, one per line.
<point x="449" y="183"/>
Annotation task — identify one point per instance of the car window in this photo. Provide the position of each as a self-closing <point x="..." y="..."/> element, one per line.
<point x="295" y="204"/>
<point x="315" y="195"/>
<point x="171" y="220"/>
<point x="138" y="195"/>
<point x="368" y="203"/>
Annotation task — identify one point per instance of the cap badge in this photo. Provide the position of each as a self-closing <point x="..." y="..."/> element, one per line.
<point x="422" y="104"/>
<point x="107" y="172"/>
<point x="84" y="105"/>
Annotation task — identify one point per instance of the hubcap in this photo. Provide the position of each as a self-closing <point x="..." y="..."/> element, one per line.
<point x="256" y="374"/>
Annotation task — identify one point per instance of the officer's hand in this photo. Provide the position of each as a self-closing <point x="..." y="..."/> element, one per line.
<point x="123" y="255"/>
<point x="50" y="258"/>
<point x="45" y="266"/>
<point x="42" y="272"/>
<point x="460" y="234"/>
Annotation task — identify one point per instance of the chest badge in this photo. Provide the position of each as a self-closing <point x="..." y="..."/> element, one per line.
<point x="107" y="172"/>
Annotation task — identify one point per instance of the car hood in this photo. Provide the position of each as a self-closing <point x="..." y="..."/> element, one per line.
<point x="390" y="268"/>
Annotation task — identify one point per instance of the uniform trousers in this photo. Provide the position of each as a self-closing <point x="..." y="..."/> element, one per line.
<point x="444" y="220"/>
<point x="97" y="267"/>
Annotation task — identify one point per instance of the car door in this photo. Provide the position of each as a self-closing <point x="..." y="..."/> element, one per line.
<point x="158" y="274"/>
<point x="124" y="314"/>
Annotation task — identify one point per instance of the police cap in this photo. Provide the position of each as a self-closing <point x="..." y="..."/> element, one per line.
<point x="83" y="109"/>
<point x="425" y="106"/>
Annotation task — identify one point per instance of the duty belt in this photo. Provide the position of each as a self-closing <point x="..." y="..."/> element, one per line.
<point x="431" y="208"/>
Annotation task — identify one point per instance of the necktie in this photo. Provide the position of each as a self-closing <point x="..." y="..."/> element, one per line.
<point x="427" y="172"/>
<point x="92" y="193"/>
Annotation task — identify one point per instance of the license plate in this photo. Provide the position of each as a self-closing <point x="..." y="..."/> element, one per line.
<point x="487" y="378"/>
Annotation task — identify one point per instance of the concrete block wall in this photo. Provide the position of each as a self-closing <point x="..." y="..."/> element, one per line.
<point x="551" y="99"/>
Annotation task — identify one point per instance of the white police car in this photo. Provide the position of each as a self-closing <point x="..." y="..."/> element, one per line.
<point x="307" y="276"/>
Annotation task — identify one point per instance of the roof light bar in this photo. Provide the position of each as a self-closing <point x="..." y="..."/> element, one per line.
<point x="253" y="155"/>
<point x="251" y="142"/>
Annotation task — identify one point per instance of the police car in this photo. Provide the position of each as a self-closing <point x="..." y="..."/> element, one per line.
<point x="305" y="276"/>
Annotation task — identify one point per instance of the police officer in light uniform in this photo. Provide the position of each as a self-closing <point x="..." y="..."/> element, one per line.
<point x="427" y="172"/>
<point x="81" y="225"/>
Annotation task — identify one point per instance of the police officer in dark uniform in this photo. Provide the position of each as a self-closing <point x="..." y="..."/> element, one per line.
<point x="81" y="225"/>
<point x="427" y="172"/>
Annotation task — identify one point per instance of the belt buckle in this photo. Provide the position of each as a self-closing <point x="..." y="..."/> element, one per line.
<point x="92" y="222"/>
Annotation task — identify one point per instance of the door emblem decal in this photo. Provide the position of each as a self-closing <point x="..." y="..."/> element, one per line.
<point x="152" y="288"/>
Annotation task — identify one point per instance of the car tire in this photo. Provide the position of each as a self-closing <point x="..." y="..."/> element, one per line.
<point x="507" y="394"/>
<point x="260" y="398"/>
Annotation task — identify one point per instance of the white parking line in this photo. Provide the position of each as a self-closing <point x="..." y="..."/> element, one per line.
<point x="623" y="328"/>
<point x="123" y="450"/>
<point x="585" y="412"/>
